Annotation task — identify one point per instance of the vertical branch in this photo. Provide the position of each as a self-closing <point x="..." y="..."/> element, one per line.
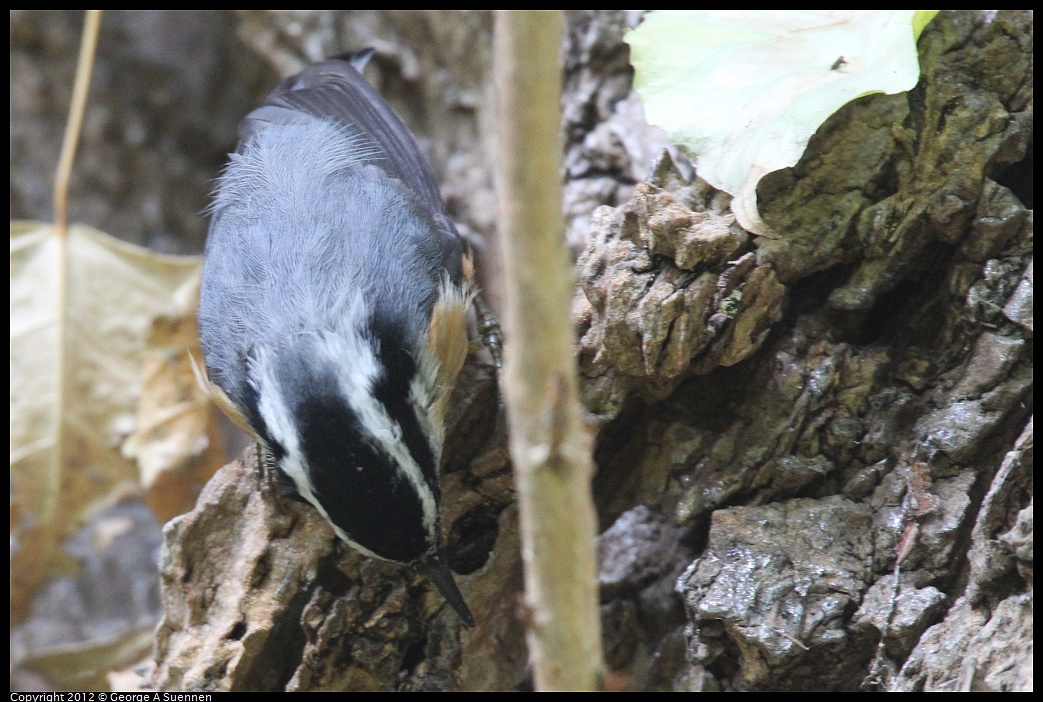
<point x="74" y="125"/>
<point x="550" y="445"/>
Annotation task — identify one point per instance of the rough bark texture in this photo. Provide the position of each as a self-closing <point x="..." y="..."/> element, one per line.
<point x="852" y="404"/>
<point x="778" y="421"/>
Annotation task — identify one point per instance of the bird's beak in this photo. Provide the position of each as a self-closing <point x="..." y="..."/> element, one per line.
<point x="436" y="569"/>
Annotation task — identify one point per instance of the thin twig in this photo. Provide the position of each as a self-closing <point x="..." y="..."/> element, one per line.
<point x="550" y="444"/>
<point x="74" y="125"/>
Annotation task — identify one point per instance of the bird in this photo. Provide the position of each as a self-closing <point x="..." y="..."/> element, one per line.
<point x="333" y="310"/>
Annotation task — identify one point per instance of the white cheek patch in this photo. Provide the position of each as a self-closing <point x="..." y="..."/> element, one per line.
<point x="356" y="381"/>
<point x="281" y="426"/>
<point x="423" y="396"/>
<point x="354" y="366"/>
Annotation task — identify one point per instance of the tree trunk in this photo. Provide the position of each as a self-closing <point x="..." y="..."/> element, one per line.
<point x="813" y="453"/>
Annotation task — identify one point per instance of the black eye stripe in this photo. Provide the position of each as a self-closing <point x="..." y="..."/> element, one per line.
<point x="361" y="488"/>
<point x="392" y="390"/>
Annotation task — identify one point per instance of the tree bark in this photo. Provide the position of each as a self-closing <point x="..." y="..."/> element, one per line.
<point x="814" y="454"/>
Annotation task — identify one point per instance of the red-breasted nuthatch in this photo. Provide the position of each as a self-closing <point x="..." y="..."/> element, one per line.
<point x="333" y="310"/>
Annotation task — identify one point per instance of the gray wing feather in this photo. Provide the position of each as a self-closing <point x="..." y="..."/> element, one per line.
<point x="333" y="89"/>
<point x="328" y="215"/>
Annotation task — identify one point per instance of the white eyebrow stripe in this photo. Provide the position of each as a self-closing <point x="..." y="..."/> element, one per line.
<point x="356" y="381"/>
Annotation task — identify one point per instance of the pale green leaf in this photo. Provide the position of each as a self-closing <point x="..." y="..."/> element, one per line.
<point x="742" y="91"/>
